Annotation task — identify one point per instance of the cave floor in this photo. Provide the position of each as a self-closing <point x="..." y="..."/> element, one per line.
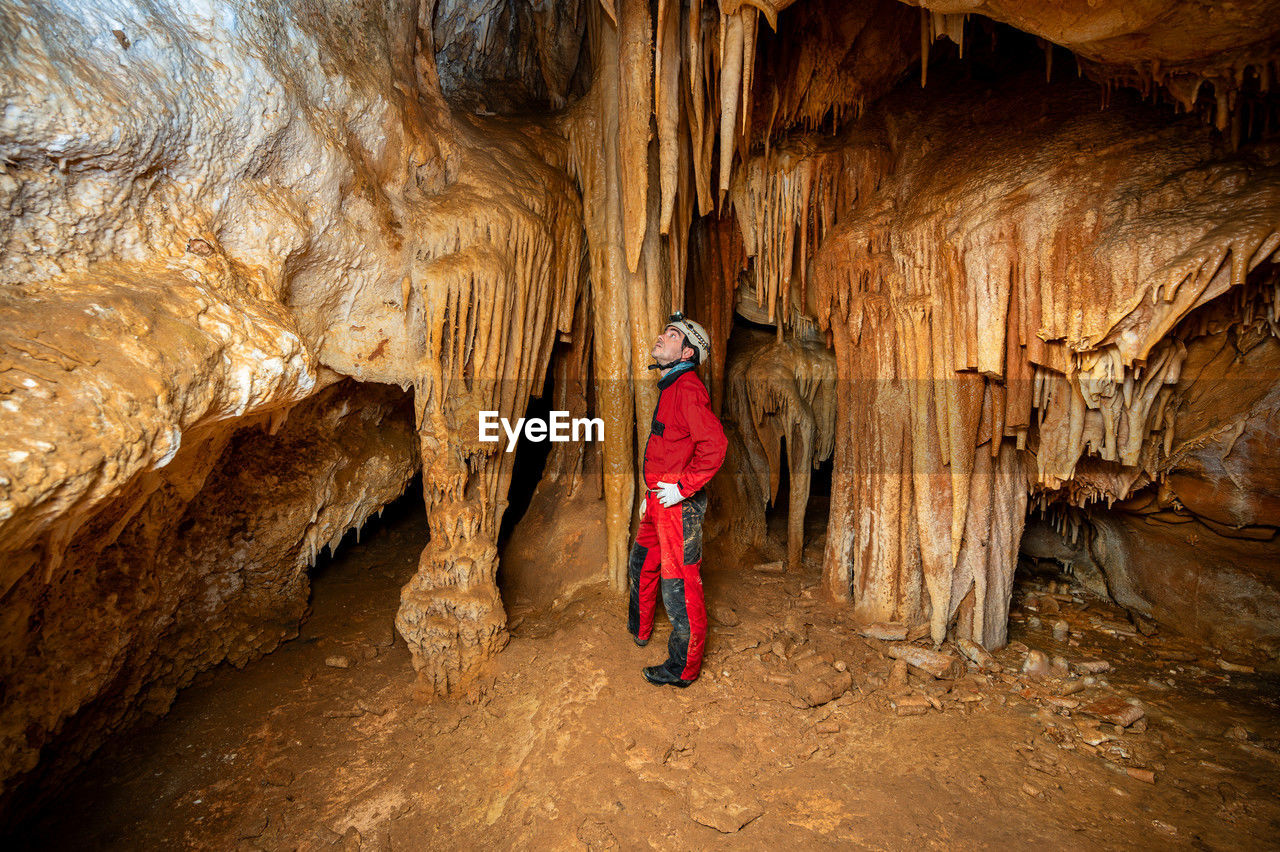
<point x="562" y="744"/>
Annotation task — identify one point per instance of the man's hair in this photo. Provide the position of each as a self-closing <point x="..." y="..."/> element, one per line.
<point x="686" y="344"/>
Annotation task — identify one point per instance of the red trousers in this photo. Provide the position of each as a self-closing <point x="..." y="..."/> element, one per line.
<point x="667" y="556"/>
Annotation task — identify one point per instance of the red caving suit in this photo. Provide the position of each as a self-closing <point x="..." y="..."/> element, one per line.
<point x="686" y="446"/>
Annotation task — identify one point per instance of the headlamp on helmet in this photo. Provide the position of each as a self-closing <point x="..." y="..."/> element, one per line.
<point x="695" y="336"/>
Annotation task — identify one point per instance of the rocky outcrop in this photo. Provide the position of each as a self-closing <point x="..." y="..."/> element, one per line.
<point x="1001" y="301"/>
<point x="295" y="204"/>
<point x="201" y="561"/>
<point x="1196" y="545"/>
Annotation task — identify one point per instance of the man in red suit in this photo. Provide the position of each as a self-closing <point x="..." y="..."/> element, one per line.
<point x="686" y="447"/>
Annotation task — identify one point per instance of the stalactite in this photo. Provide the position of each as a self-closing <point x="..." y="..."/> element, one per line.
<point x="731" y="77"/>
<point x="635" y="69"/>
<point x="632" y="293"/>
<point x="787" y="200"/>
<point x="667" y="102"/>
<point x="833" y="59"/>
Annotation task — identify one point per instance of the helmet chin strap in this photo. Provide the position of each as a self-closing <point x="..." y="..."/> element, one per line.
<point x="658" y="365"/>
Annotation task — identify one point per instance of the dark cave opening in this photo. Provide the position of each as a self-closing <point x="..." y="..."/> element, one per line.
<point x="816" y="509"/>
<point x="526" y="472"/>
<point x="400" y="512"/>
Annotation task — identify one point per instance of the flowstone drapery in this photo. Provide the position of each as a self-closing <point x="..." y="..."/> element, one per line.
<point x="997" y="322"/>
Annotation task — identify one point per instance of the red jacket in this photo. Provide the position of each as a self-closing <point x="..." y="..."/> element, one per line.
<point x="686" y="441"/>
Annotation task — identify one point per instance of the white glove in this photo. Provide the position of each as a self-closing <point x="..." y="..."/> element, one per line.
<point x="668" y="494"/>
<point x="644" y="504"/>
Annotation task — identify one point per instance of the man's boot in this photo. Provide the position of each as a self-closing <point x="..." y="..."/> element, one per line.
<point x="661" y="676"/>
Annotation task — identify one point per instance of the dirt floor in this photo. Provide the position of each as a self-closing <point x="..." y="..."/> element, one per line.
<point x="792" y="738"/>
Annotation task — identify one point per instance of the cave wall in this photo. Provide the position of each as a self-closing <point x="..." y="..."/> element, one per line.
<point x="202" y="561"/>
<point x="1198" y="548"/>
<point x="294" y="204"/>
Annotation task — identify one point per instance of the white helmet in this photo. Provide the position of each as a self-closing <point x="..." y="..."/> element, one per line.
<point x="694" y="334"/>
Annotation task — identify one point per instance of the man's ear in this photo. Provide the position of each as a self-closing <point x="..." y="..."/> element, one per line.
<point x="688" y="357"/>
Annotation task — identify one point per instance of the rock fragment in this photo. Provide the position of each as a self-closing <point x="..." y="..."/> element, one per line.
<point x="978" y="655"/>
<point x="724" y="615"/>
<point x="1036" y="665"/>
<point x="1093" y="666"/>
<point x="1092" y="734"/>
<point x="1115" y="710"/>
<point x="339" y="661"/>
<point x="1061" y="703"/>
<point x="911" y="705"/>
<point x="722" y="807"/>
<point x="884" y="632"/>
<point x="1239" y="668"/>
<point x="816" y="691"/>
<point x="897" y="684"/>
<point x="351" y="840"/>
<point x="940" y="665"/>
<point x="1144" y="775"/>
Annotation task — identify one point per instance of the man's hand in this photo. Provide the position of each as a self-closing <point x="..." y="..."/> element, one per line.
<point x="668" y="494"/>
<point x="644" y="504"/>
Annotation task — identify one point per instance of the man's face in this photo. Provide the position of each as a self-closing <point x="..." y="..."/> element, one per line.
<point x="669" y="346"/>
